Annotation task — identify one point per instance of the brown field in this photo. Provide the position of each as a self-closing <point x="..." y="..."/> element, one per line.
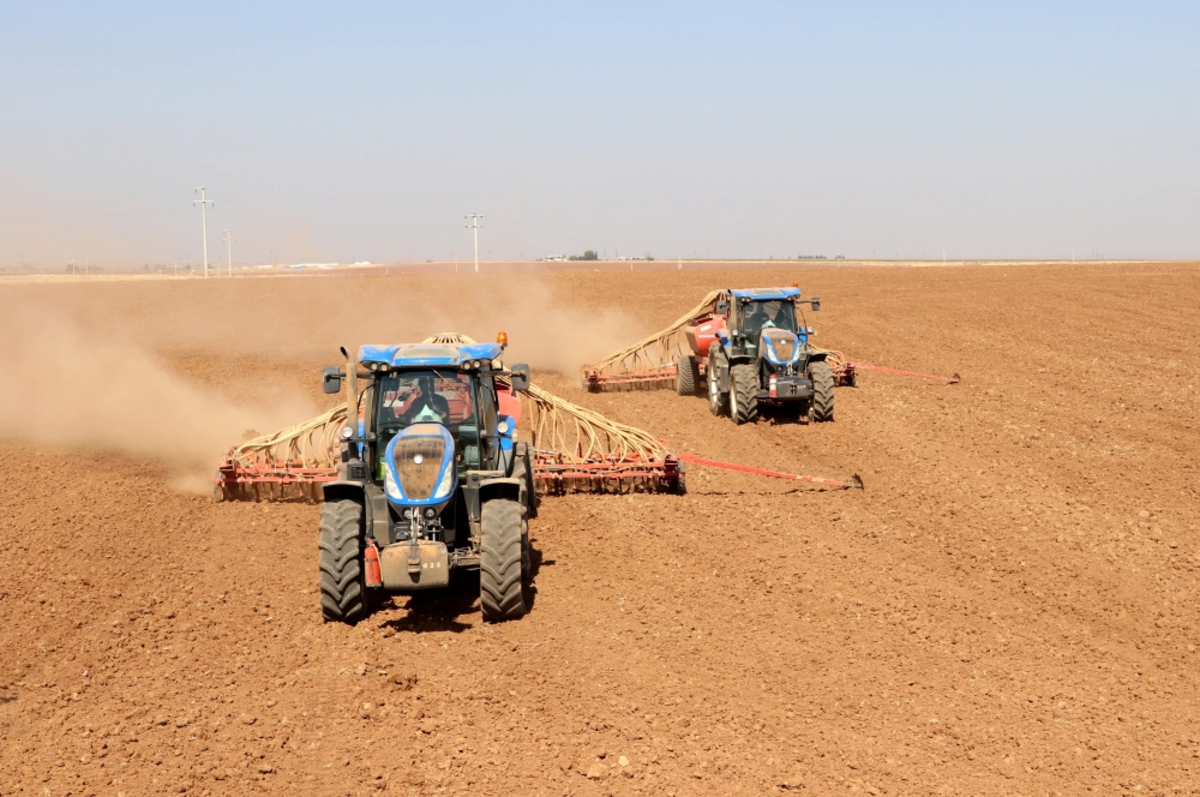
<point x="1010" y="607"/>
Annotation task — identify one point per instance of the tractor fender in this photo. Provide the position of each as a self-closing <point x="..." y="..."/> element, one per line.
<point x="344" y="491"/>
<point x="374" y="506"/>
<point x="521" y="450"/>
<point x="817" y="356"/>
<point x="509" y="488"/>
<point x="737" y="359"/>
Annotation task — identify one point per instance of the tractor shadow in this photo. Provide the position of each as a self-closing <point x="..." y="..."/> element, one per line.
<point x="446" y="609"/>
<point x="454" y="608"/>
<point x="777" y="416"/>
<point x="536" y="562"/>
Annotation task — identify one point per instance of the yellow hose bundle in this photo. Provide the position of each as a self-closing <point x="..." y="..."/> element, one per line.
<point x="555" y="427"/>
<point x="577" y="434"/>
<point x="658" y="350"/>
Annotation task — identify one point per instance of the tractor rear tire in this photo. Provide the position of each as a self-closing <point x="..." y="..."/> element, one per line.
<point x="523" y="472"/>
<point x="343" y="589"/>
<point x="821" y="409"/>
<point x="502" y="558"/>
<point x="743" y="394"/>
<point x="526" y="554"/>
<point x="687" y="375"/>
<point x="718" y="402"/>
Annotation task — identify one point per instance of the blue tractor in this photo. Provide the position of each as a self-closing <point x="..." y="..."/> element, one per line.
<point x="431" y="479"/>
<point x="758" y="355"/>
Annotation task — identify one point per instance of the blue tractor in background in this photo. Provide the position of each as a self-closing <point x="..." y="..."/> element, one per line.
<point x="755" y="351"/>
<point x="431" y="479"/>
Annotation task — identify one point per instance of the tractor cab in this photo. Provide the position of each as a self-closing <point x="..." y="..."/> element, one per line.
<point x="459" y="401"/>
<point x="755" y="311"/>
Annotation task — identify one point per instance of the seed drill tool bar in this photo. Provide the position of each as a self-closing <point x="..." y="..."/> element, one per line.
<point x="855" y="482"/>
<point x="949" y="380"/>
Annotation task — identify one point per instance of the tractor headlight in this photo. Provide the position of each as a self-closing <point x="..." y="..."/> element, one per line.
<point x="430" y="513"/>
<point x="391" y="488"/>
<point x="447" y="483"/>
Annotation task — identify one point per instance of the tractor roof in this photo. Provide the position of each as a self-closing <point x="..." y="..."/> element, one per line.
<point x="759" y="294"/>
<point x="423" y="354"/>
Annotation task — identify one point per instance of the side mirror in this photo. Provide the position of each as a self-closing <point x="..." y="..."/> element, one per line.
<point x="816" y="303"/>
<point x="722" y="307"/>
<point x="520" y="377"/>
<point x="331" y="380"/>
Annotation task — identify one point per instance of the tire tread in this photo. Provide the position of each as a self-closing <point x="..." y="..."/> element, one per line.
<point x="339" y="545"/>
<point x="502" y="560"/>
<point x="821" y="375"/>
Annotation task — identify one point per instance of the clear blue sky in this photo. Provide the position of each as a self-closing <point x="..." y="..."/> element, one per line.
<point x="365" y="131"/>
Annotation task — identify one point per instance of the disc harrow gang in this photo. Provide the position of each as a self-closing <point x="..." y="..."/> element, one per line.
<point x="575" y="450"/>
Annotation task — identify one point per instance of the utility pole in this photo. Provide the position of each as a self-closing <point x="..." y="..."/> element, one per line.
<point x="474" y="225"/>
<point x="228" y="239"/>
<point x="202" y="202"/>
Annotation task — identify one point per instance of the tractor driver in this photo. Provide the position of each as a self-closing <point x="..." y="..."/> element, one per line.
<point x="764" y="315"/>
<point x="427" y="406"/>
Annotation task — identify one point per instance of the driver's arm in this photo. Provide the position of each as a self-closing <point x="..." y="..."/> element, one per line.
<point x="440" y="406"/>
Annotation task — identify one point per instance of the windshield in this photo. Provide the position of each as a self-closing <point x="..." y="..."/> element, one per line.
<point x="430" y="396"/>
<point x="775" y="313"/>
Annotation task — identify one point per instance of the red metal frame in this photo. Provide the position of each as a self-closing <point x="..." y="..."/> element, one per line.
<point x="652" y="379"/>
<point x="553" y="473"/>
<point x="664" y="377"/>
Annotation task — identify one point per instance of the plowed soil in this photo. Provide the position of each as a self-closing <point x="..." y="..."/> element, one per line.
<point x="1009" y="607"/>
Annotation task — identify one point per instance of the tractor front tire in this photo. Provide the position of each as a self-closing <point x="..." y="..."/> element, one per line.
<point x="743" y="393"/>
<point x="687" y="375"/>
<point x="502" y="558"/>
<point x="718" y="402"/>
<point x="343" y="589"/>
<point x="821" y="409"/>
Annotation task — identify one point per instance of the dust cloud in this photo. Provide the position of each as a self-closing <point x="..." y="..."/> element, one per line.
<point x="61" y="388"/>
<point x="546" y="332"/>
<point x="90" y="366"/>
<point x="550" y="329"/>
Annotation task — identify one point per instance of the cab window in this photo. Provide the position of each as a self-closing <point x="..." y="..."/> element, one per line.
<point x="427" y="396"/>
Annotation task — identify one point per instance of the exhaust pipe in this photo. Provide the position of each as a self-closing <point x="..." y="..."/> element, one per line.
<point x="351" y="393"/>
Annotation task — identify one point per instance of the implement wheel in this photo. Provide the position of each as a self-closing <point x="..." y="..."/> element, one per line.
<point x="687" y="375"/>
<point x="821" y="409"/>
<point x="717" y="401"/>
<point x="343" y="590"/>
<point x="743" y="393"/>
<point x="502" y="558"/>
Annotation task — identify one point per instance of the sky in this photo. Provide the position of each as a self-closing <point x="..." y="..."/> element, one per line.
<point x="343" y="132"/>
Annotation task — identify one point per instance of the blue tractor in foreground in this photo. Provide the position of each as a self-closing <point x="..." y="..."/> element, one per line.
<point x="755" y="353"/>
<point x="431" y="480"/>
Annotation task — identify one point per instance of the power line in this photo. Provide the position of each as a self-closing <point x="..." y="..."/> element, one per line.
<point x="475" y="225"/>
<point x="203" y="202"/>
<point x="228" y="239"/>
